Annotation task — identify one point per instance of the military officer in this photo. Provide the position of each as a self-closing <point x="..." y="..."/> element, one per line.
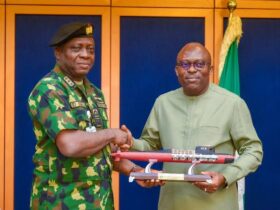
<point x="72" y="155"/>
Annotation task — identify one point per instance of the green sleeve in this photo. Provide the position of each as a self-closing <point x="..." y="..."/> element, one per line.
<point x="246" y="142"/>
<point x="51" y="109"/>
<point x="150" y="139"/>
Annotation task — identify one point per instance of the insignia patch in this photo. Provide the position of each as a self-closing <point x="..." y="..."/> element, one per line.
<point x="100" y="103"/>
<point x="97" y="119"/>
<point x="89" y="29"/>
<point x="76" y="104"/>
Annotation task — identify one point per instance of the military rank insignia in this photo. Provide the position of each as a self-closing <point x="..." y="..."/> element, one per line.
<point x="89" y="30"/>
<point x="69" y="81"/>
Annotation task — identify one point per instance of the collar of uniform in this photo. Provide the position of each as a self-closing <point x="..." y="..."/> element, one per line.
<point x="87" y="83"/>
<point x="68" y="80"/>
<point x="65" y="78"/>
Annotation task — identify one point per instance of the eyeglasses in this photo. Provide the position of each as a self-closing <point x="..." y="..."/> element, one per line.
<point x="198" y="65"/>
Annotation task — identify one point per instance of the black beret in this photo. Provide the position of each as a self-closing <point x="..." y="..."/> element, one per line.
<point x="70" y="31"/>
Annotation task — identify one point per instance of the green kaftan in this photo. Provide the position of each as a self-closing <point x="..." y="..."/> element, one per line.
<point x="216" y="118"/>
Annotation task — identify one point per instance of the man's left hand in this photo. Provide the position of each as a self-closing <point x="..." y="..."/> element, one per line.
<point x="217" y="181"/>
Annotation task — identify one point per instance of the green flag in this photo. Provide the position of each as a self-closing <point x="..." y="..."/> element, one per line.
<point x="229" y="74"/>
<point x="229" y="66"/>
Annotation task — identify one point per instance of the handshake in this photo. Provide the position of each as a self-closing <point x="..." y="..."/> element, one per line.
<point x="121" y="138"/>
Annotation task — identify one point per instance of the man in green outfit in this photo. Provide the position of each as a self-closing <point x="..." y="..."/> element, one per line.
<point x="201" y="114"/>
<point x="72" y="158"/>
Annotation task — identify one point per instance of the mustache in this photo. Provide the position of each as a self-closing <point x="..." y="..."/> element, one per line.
<point x="191" y="77"/>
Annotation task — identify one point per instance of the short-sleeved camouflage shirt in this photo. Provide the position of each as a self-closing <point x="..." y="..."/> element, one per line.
<point x="57" y="103"/>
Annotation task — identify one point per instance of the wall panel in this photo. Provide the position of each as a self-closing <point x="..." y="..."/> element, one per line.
<point x="259" y="87"/>
<point x="29" y="56"/>
<point x="2" y="102"/>
<point x="115" y="40"/>
<point x="117" y="13"/>
<point x="145" y="43"/>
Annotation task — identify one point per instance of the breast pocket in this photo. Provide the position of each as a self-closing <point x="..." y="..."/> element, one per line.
<point x="209" y="135"/>
<point x="81" y="117"/>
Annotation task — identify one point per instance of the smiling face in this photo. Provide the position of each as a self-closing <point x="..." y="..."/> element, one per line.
<point x="193" y="69"/>
<point x="76" y="57"/>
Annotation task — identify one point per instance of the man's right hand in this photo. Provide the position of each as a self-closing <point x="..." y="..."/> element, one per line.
<point x="122" y="138"/>
<point x="125" y="147"/>
<point x="119" y="137"/>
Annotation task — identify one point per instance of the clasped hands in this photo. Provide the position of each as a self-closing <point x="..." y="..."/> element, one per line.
<point x="122" y="138"/>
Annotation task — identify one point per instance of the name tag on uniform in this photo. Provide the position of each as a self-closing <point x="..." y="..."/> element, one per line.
<point x="76" y="104"/>
<point x="100" y="103"/>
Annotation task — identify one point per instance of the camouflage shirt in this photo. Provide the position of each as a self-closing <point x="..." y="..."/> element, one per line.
<point x="57" y="103"/>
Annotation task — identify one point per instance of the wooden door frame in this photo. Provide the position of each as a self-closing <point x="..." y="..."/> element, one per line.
<point x="60" y="2"/>
<point x="11" y="12"/>
<point x="250" y="4"/>
<point x="2" y="102"/>
<point x="164" y="3"/>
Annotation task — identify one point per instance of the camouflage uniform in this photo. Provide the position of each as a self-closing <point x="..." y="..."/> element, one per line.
<point x="57" y="103"/>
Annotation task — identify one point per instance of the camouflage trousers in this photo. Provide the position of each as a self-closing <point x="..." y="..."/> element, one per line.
<point x="90" y="195"/>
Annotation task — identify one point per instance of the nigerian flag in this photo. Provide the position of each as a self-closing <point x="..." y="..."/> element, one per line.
<point x="228" y="66"/>
<point x="229" y="73"/>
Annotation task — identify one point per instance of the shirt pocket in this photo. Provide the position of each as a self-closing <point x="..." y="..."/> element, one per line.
<point x="81" y="116"/>
<point x="209" y="135"/>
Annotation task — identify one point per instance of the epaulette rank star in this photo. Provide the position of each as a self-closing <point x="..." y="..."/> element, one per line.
<point x="69" y="81"/>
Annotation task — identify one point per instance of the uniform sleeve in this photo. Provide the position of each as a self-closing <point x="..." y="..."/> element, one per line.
<point x="150" y="139"/>
<point x="49" y="107"/>
<point x="247" y="143"/>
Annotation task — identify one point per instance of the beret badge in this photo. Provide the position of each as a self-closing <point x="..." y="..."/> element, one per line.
<point x="89" y="30"/>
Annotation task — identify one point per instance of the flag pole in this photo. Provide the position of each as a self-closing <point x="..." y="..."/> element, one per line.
<point x="229" y="69"/>
<point x="231" y="5"/>
<point x="232" y="33"/>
